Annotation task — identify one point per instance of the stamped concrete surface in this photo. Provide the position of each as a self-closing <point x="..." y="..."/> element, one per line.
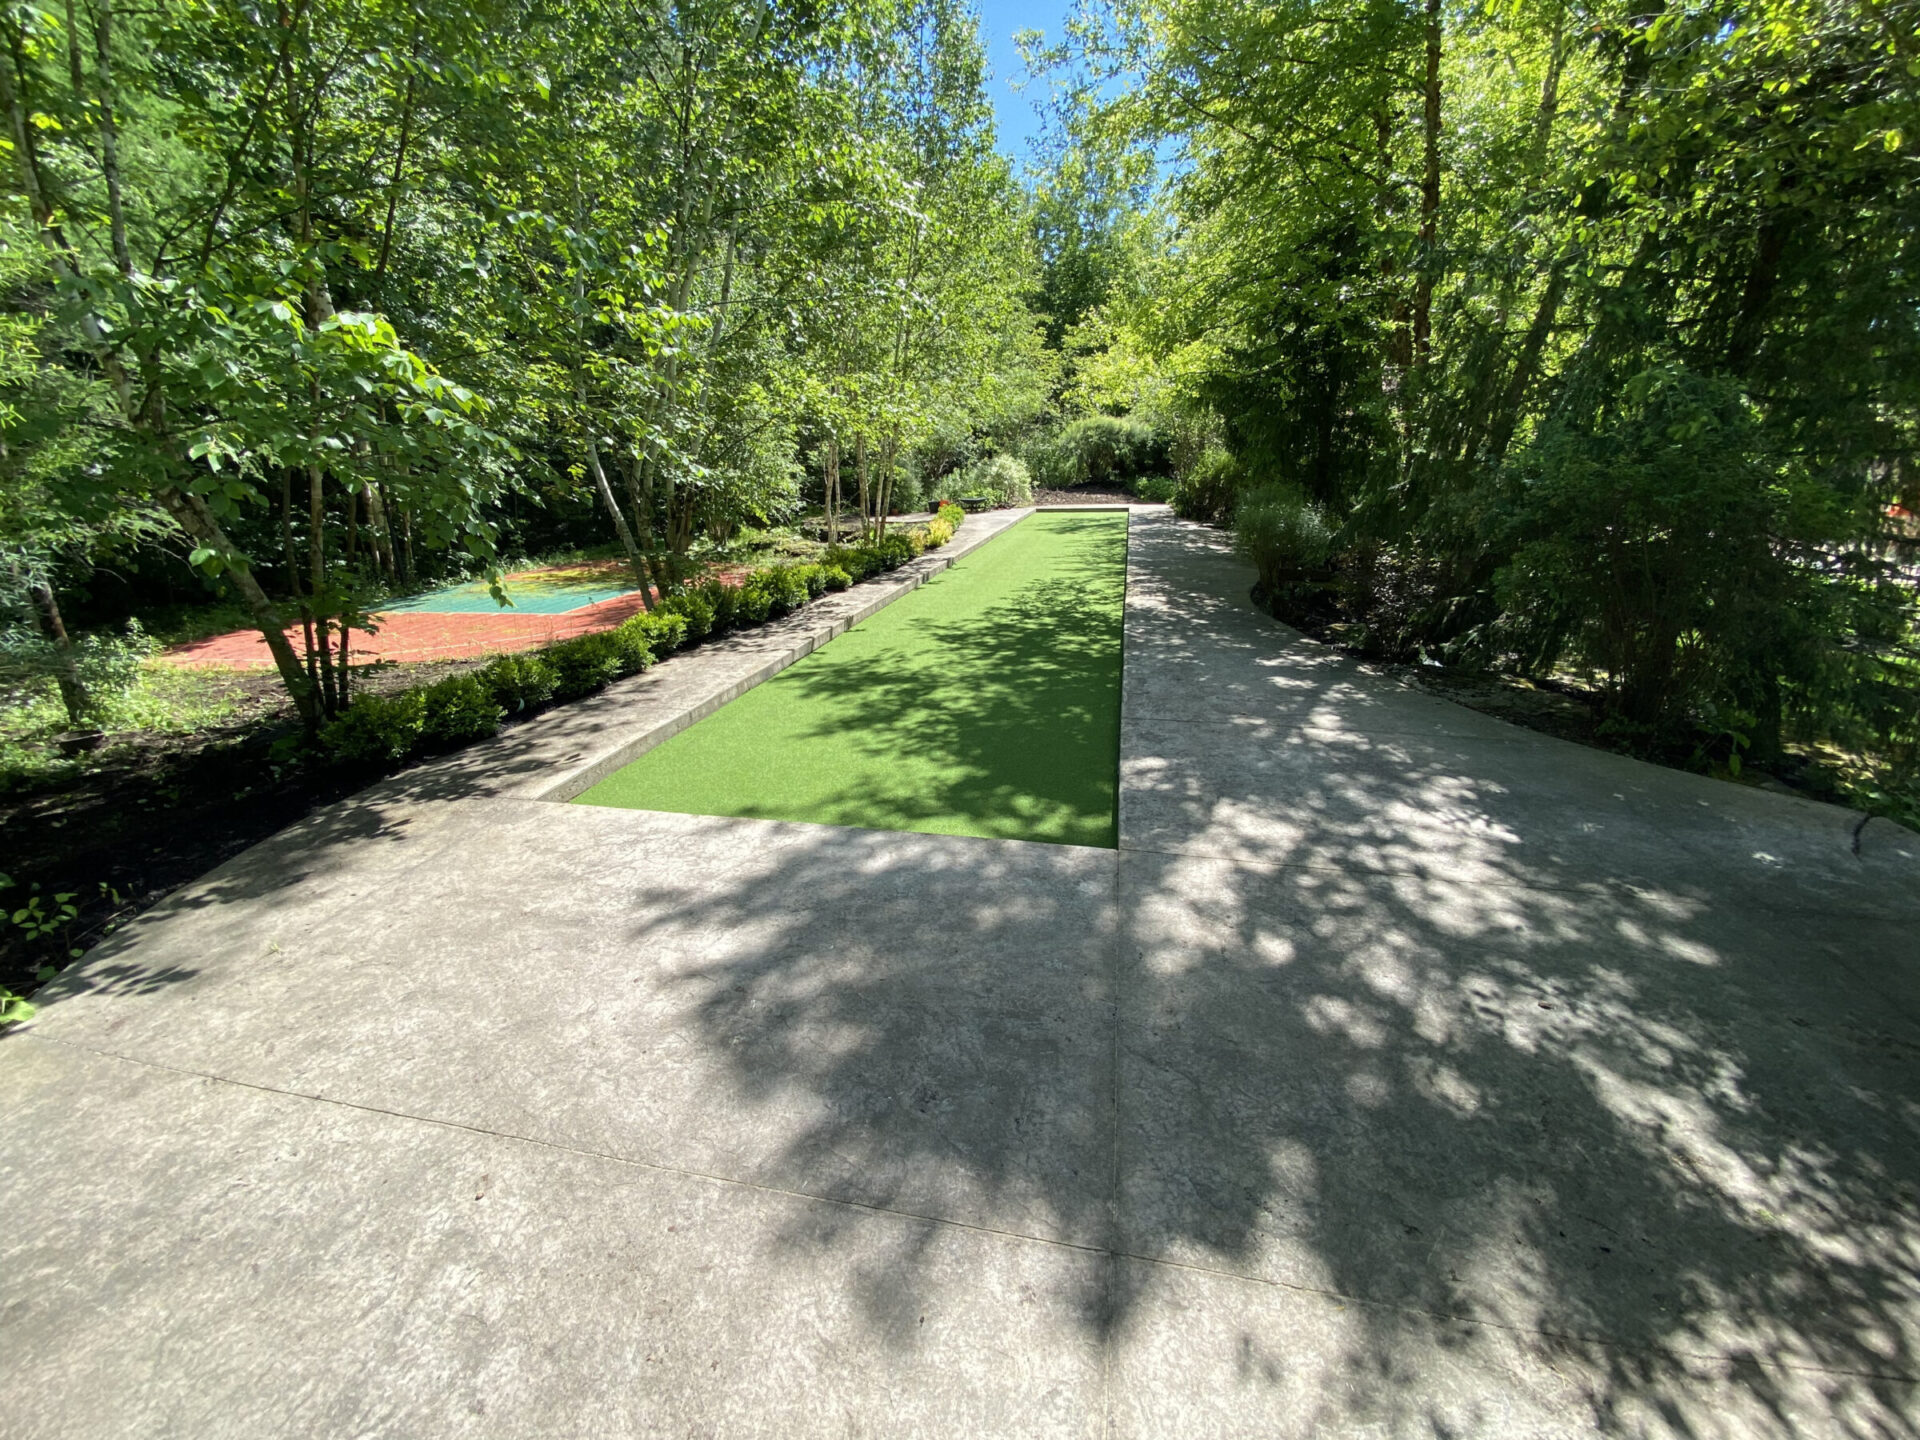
<point x="1403" y="1073"/>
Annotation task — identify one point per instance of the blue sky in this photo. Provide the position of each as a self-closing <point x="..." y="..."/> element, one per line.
<point x="1016" y="119"/>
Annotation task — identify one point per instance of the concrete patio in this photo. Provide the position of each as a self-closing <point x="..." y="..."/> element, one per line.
<point x="1402" y="1073"/>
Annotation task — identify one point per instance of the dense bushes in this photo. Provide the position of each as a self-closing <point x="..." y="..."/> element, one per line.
<point x="1109" y="451"/>
<point x="1001" y="480"/>
<point x="1656" y="548"/>
<point x="1285" y="535"/>
<point x="1209" y="491"/>
<point x="380" y="731"/>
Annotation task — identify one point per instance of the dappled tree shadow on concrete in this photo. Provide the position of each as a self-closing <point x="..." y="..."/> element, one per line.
<point x="1665" y="1135"/>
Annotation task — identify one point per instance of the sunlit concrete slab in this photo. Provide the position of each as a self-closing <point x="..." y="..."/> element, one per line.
<point x="914" y="1021"/>
<point x="1242" y="740"/>
<point x="1403" y="1073"/>
<point x="1209" y="1355"/>
<point x="187" y="1257"/>
<point x="1616" y="1118"/>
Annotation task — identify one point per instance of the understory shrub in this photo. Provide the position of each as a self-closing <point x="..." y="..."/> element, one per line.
<point x="835" y="578"/>
<point x="954" y="515"/>
<point x="693" y="607"/>
<point x="1209" y="491"/>
<point x="658" y="632"/>
<point x="459" y="709"/>
<point x="587" y="662"/>
<point x="1001" y="478"/>
<point x="1285" y="535"/>
<point x="377" y="730"/>
<point x="106" y="667"/>
<point x="1654" y="546"/>
<point x="518" y="682"/>
<point x="1110" y="451"/>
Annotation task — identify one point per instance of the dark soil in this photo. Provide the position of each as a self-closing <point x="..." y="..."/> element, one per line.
<point x="156" y="811"/>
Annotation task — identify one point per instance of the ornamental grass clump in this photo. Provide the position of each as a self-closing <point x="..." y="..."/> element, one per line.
<point x="1285" y="535"/>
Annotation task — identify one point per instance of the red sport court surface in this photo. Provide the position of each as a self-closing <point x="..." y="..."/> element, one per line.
<point x="461" y="623"/>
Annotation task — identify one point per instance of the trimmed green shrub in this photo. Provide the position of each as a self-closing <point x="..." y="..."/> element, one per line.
<point x="666" y="631"/>
<point x="458" y="709"/>
<point x="787" y="584"/>
<point x="586" y="663"/>
<point x="954" y="515"/>
<point x="377" y="729"/>
<point x="519" y="681"/>
<point x="833" y="577"/>
<point x="694" y="608"/>
<point x="1156" y="489"/>
<point x="753" y="602"/>
<point x="630" y="644"/>
<point x="723" y="603"/>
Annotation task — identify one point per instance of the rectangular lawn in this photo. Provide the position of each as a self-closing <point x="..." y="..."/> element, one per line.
<point x="987" y="702"/>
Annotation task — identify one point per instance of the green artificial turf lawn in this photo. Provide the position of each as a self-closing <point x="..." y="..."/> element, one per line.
<point x="987" y="702"/>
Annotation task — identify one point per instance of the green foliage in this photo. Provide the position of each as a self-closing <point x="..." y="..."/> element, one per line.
<point x="1107" y="451"/>
<point x="459" y="709"/>
<point x="1285" y="536"/>
<point x="1591" y="334"/>
<point x="834" y="577"/>
<point x="107" y="667"/>
<point x="377" y="731"/>
<point x="723" y="601"/>
<point x="1001" y="479"/>
<point x="694" y="610"/>
<point x="865" y="561"/>
<point x="661" y="631"/>
<point x="521" y="682"/>
<point x="589" y="662"/>
<point x="1656" y="544"/>
<point x="1210" y="491"/>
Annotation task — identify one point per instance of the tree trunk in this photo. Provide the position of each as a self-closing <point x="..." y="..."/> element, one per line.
<point x="382" y="532"/>
<point x="605" y="491"/>
<point x="883" y="499"/>
<point x="73" y="690"/>
<point x="831" y="463"/>
<point x="193" y="516"/>
<point x="860" y="477"/>
<point x="1429" y="194"/>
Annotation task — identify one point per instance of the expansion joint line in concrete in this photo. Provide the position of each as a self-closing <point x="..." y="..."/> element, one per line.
<point x="1113" y="1253"/>
<point x="1110" y="1280"/>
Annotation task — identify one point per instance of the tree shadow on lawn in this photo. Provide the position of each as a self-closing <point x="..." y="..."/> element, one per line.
<point x="1660" y="1138"/>
<point x="1007" y="721"/>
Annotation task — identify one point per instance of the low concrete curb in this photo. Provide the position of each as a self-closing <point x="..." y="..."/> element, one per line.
<point x="570" y="749"/>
